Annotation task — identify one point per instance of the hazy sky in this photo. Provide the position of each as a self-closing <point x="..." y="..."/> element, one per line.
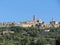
<point x="22" y="10"/>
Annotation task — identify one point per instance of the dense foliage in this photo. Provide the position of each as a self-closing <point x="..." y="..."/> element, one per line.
<point x="28" y="36"/>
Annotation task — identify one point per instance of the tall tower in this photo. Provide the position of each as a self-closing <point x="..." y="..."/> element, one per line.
<point x="34" y="18"/>
<point x="52" y="19"/>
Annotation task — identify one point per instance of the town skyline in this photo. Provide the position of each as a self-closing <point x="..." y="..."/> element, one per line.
<point x="31" y="19"/>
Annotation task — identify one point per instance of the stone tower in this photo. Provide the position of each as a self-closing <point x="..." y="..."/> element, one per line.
<point x="34" y="18"/>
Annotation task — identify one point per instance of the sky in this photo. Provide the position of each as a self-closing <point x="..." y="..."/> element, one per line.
<point x="23" y="10"/>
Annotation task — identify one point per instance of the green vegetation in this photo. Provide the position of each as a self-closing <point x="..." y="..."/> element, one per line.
<point x="28" y="36"/>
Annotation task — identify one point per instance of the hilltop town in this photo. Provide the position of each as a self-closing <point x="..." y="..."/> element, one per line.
<point x="34" y="23"/>
<point x="32" y="32"/>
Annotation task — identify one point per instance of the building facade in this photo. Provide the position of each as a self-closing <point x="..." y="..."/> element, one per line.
<point x="34" y="23"/>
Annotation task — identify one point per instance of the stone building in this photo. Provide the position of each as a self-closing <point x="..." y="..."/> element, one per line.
<point x="34" y="22"/>
<point x="54" y="23"/>
<point x="7" y="24"/>
<point x="27" y="23"/>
